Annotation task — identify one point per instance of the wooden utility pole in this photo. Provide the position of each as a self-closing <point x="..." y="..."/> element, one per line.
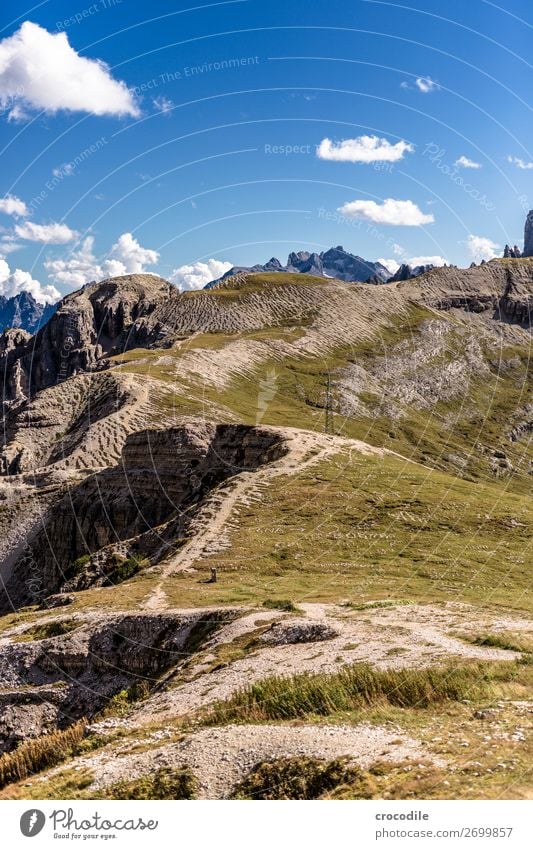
<point x="329" y="406"/>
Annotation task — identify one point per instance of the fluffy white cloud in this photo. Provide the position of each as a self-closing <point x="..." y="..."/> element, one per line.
<point x="51" y="234"/>
<point x="520" y="163"/>
<point x="82" y="266"/>
<point x="363" y="149"/>
<point x="413" y="261"/>
<point x="390" y="264"/>
<point x="481" y="247"/>
<point x="128" y="257"/>
<point x="426" y="84"/>
<point x="465" y="162"/>
<point x="40" y="70"/>
<point x="79" y="268"/>
<point x="197" y="275"/>
<point x="403" y="212"/>
<point x="12" y="205"/>
<point x="17" y="281"/>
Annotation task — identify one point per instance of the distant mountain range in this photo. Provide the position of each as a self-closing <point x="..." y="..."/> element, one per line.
<point x="23" y="312"/>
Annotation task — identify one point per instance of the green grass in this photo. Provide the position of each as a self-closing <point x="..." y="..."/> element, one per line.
<point x="357" y="687"/>
<point x="256" y="282"/>
<point x="504" y="640"/>
<point x="372" y="605"/>
<point x="47" y="630"/>
<point x="368" y="529"/>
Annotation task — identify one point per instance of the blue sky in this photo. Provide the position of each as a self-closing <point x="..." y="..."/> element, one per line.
<point x="197" y="139"/>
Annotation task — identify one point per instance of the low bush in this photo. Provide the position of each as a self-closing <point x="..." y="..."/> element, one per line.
<point x="305" y="778"/>
<point x="162" y="784"/>
<point x="280" y="604"/>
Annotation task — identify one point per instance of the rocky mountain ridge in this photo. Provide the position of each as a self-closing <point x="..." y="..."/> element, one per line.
<point x="334" y="262"/>
<point x="23" y="312"/>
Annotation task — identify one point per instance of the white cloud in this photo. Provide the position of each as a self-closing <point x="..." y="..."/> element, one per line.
<point x="465" y="162"/>
<point x="8" y="246"/>
<point x="51" y="234"/>
<point x="127" y="256"/>
<point x="40" y="70"/>
<point x="426" y="84"/>
<point x="79" y="268"/>
<point x="520" y="163"/>
<point x="12" y="205"/>
<point x="14" y="282"/>
<point x="426" y="260"/>
<point x="65" y="170"/>
<point x="197" y="275"/>
<point x="363" y="149"/>
<point x="413" y="261"/>
<point x="480" y="247"/>
<point x="163" y="104"/>
<point x="401" y="212"/>
<point x="390" y="264"/>
<point x="82" y="266"/>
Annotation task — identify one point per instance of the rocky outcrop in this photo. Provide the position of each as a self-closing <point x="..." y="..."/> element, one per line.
<point x="506" y="290"/>
<point x="50" y="683"/>
<point x="90" y="325"/>
<point x="528" y="235"/>
<point x="408" y="272"/>
<point x="512" y="252"/>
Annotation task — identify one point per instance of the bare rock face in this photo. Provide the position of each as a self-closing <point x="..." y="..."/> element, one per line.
<point x="528" y="235"/>
<point x="96" y="322"/>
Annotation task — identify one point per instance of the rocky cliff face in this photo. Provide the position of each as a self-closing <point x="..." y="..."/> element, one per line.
<point x="51" y="682"/>
<point x="99" y="320"/>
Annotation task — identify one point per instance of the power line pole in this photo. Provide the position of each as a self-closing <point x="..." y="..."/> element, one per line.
<point x="329" y="406"/>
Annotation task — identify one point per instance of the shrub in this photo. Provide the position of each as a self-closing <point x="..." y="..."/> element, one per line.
<point x="280" y="604"/>
<point x="305" y="778"/>
<point x="120" y="704"/>
<point x="163" y="784"/>
<point x="77" y="567"/>
<point x="124" y="570"/>
<point x="43" y="752"/>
